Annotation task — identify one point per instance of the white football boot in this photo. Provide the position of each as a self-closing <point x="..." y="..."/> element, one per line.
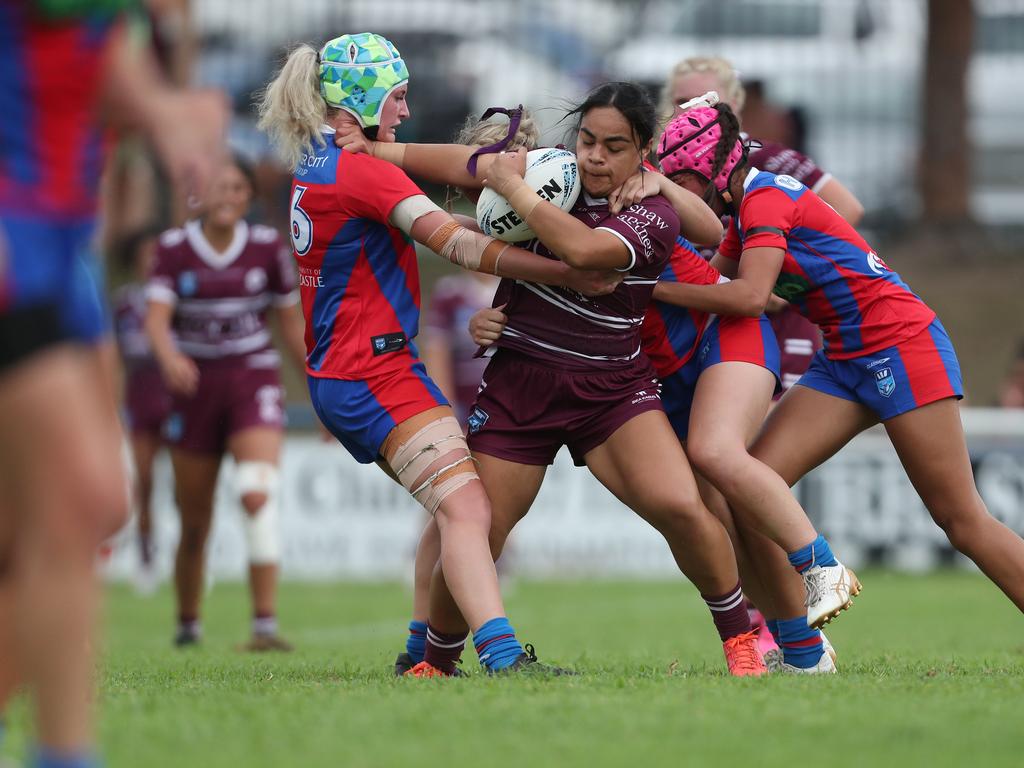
<point x="825" y="666"/>
<point x="775" y="661"/>
<point x="830" y="590"/>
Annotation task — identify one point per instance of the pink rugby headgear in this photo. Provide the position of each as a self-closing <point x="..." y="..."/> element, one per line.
<point x="690" y="140"/>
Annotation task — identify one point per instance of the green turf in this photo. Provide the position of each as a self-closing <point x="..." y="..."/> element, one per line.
<point x="933" y="674"/>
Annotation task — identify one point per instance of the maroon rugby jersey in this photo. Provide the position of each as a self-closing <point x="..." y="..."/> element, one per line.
<point x="129" y="305"/>
<point x="454" y="300"/>
<point x="221" y="299"/>
<point x="782" y="161"/>
<point x="602" y="332"/>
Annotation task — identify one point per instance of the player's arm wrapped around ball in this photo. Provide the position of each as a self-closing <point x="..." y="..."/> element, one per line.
<point x="564" y="235"/>
<point x="426" y="223"/>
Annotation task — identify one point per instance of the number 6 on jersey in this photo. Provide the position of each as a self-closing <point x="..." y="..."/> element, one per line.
<point x="301" y="224"/>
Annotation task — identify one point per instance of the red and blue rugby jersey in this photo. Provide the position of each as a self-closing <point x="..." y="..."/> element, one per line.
<point x="358" y="275"/>
<point x="670" y="334"/>
<point x="829" y="273"/>
<point x="51" y="78"/>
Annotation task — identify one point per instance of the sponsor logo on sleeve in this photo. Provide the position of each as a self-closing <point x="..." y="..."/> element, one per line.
<point x="788" y="182"/>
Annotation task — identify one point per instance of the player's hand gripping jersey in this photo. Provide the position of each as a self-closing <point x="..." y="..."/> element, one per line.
<point x="829" y="272"/>
<point x="672" y="333"/>
<point x="358" y="275"/>
<point x="587" y="333"/>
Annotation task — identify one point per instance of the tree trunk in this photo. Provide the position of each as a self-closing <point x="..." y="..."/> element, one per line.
<point x="945" y="149"/>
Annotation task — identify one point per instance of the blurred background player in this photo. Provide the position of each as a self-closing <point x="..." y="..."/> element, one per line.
<point x="353" y="220"/>
<point x="60" y="67"/>
<point x="145" y="397"/>
<point x="213" y="284"/>
<point x="1011" y="391"/>
<point x="887" y="357"/>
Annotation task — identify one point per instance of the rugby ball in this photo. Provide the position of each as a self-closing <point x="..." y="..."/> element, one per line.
<point x="551" y="173"/>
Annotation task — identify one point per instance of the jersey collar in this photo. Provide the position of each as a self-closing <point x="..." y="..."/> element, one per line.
<point x="751" y="175"/>
<point x="206" y="252"/>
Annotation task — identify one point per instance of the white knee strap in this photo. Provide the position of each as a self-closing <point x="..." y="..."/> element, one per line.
<point x="415" y="456"/>
<point x="261" y="534"/>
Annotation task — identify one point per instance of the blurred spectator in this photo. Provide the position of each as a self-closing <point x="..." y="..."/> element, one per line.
<point x="768" y="121"/>
<point x="447" y="348"/>
<point x="1011" y="391"/>
<point x="146" y="401"/>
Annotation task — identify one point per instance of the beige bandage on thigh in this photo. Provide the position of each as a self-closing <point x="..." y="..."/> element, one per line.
<point x="467" y="248"/>
<point x="434" y="463"/>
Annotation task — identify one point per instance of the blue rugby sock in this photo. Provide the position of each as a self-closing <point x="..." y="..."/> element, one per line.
<point x="773" y="627"/>
<point x="818" y="552"/>
<point x="496" y="644"/>
<point x="416" y="643"/>
<point x="801" y="646"/>
<point x="47" y="758"/>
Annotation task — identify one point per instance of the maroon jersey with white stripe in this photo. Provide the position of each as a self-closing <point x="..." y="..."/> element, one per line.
<point x="602" y="332"/>
<point x="221" y="299"/>
<point x="783" y="161"/>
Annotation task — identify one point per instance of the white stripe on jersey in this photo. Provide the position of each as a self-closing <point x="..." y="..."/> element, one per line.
<point x="798" y="347"/>
<point x="223" y="306"/>
<point x="225" y="347"/>
<point x="563" y="303"/>
<point x="537" y="342"/>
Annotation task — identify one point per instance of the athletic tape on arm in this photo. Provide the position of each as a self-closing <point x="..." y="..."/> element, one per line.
<point x="404" y="214"/>
<point x="469" y="249"/>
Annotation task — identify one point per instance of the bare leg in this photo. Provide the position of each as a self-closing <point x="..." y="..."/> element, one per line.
<point x="931" y="445"/>
<point x="644" y="465"/>
<point x="54" y="412"/>
<point x="145" y="446"/>
<point x="753" y="587"/>
<point x="788" y="447"/>
<point x="195" y="478"/>
<point x="463" y="521"/>
<point x="514" y="488"/>
<point x="729" y="403"/>
<point x="259" y="444"/>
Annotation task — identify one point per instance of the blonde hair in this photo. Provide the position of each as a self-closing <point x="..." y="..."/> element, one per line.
<point x="291" y="108"/>
<point x="730" y="88"/>
<point x="485" y="132"/>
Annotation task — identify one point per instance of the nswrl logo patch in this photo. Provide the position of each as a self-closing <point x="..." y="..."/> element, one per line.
<point x="476" y="420"/>
<point x="885" y="382"/>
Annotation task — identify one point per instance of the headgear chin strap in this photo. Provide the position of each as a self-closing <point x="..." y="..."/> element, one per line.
<point x="515" y="116"/>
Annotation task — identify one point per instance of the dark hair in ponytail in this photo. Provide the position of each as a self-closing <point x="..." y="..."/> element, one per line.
<point x="632" y="100"/>
<point x="730" y="126"/>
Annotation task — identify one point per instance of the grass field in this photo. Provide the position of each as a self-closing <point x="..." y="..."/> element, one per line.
<point x="932" y="674"/>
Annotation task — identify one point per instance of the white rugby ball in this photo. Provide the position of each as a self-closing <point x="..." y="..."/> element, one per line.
<point x="551" y="173"/>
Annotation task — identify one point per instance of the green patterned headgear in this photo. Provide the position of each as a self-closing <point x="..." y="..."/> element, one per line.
<point x="357" y="72"/>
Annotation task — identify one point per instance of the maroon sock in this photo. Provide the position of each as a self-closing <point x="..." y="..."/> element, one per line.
<point x="443" y="651"/>
<point x="729" y="612"/>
